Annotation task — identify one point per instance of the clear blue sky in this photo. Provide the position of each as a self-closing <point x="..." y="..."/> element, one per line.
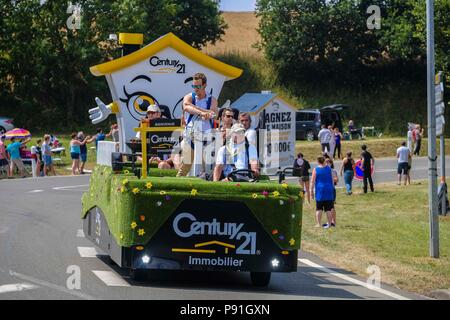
<point x="237" y="5"/>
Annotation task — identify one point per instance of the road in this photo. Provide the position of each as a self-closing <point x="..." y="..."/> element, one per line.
<point x="43" y="250"/>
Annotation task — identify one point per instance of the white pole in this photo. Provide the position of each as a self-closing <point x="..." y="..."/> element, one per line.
<point x="33" y="167"/>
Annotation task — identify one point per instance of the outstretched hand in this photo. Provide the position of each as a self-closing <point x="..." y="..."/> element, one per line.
<point x="100" y="113"/>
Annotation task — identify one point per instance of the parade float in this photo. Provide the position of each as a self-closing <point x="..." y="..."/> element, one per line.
<point x="147" y="218"/>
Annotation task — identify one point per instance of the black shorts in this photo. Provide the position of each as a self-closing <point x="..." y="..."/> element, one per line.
<point x="324" y="205"/>
<point x="402" y="167"/>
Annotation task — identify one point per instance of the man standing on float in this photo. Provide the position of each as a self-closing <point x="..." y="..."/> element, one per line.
<point x="199" y="110"/>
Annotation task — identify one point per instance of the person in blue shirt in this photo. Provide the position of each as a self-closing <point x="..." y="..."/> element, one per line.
<point x="100" y="136"/>
<point x="322" y="185"/>
<point x="14" y="154"/>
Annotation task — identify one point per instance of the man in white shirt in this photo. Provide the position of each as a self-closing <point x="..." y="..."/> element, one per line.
<point x="246" y="121"/>
<point x="403" y="155"/>
<point x="237" y="154"/>
<point x="325" y="138"/>
<point x="199" y="110"/>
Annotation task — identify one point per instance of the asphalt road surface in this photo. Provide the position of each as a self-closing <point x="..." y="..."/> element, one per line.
<point x="43" y="254"/>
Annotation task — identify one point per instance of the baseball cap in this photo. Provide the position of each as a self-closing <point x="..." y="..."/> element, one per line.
<point x="153" y="108"/>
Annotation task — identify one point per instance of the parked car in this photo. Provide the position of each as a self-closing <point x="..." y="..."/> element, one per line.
<point x="309" y="121"/>
<point x="6" y="124"/>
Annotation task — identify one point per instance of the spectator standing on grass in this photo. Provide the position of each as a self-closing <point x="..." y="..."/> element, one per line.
<point x="403" y="156"/>
<point x="329" y="162"/>
<point x="418" y="138"/>
<point x="14" y="153"/>
<point x="83" y="149"/>
<point x="47" y="156"/>
<point x="301" y="168"/>
<point x="100" y="136"/>
<point x="322" y="187"/>
<point x="324" y="136"/>
<point x="4" y="164"/>
<point x="348" y="167"/>
<point x="338" y="139"/>
<point x="75" y="152"/>
<point x="367" y="162"/>
<point x="36" y="154"/>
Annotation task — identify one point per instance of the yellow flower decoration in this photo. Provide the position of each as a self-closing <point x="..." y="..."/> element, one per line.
<point x="123" y="189"/>
<point x="285" y="185"/>
<point x="255" y="196"/>
<point x="141" y="232"/>
<point x="149" y="185"/>
<point x="121" y="236"/>
<point x="162" y="192"/>
<point x="292" y="241"/>
<point x="194" y="192"/>
<point x="133" y="225"/>
<point x="136" y="190"/>
<point x="275" y="193"/>
<point x="126" y="171"/>
<point x="125" y="182"/>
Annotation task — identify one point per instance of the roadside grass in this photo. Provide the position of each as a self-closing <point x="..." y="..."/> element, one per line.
<point x="378" y="147"/>
<point x="388" y="228"/>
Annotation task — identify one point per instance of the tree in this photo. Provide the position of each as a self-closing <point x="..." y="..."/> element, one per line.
<point x="44" y="63"/>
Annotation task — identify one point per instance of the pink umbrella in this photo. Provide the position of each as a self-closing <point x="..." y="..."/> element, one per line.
<point x="17" y="133"/>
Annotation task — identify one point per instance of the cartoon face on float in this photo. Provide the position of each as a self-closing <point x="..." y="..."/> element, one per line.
<point x="159" y="73"/>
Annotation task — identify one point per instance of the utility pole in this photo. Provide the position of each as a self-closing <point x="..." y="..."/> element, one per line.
<point x="432" y="157"/>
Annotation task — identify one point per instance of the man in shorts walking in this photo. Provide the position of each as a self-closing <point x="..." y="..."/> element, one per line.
<point x="403" y="156"/>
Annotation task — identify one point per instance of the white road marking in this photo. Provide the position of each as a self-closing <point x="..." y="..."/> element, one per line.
<point x="111" y="279"/>
<point x="70" y="187"/>
<point x="35" y="191"/>
<point x="42" y="283"/>
<point x="80" y="233"/>
<point x="87" y="252"/>
<point x="16" y="287"/>
<point x="350" y="279"/>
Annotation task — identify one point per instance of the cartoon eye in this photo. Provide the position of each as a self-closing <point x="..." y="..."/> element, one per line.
<point x="142" y="102"/>
<point x="138" y="102"/>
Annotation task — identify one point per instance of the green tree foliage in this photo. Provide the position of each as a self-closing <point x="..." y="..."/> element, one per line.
<point x="44" y="65"/>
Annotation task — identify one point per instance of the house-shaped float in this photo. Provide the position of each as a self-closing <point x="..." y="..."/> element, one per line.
<point x="275" y="120"/>
<point x="161" y="73"/>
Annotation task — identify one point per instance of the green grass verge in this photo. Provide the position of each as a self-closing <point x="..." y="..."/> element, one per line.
<point x="388" y="228"/>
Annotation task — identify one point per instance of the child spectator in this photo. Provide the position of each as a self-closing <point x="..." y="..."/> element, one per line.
<point x="47" y="156"/>
<point x="4" y="164"/>
<point x="301" y="169"/>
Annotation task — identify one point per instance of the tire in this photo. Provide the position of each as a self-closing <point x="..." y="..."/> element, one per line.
<point x="138" y="274"/>
<point x="310" y="136"/>
<point x="260" y="279"/>
<point x="2" y="130"/>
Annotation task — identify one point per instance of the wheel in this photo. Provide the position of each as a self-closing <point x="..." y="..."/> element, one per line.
<point x="310" y="136"/>
<point x="260" y="279"/>
<point x="138" y="274"/>
<point x="2" y="130"/>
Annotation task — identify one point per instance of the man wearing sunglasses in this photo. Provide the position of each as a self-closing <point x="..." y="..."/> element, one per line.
<point x="199" y="110"/>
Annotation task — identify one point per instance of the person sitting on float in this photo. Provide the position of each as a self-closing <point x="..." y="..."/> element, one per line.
<point x="237" y="154"/>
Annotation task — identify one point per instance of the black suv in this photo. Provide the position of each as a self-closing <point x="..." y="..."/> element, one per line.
<point x="309" y="121"/>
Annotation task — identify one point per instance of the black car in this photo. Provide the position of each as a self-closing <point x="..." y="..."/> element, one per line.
<point x="309" y="121"/>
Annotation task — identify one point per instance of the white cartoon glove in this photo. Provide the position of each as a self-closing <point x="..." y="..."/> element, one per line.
<point x="99" y="113"/>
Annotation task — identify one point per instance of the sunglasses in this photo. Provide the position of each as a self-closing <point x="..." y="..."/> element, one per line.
<point x="228" y="116"/>
<point x="197" y="86"/>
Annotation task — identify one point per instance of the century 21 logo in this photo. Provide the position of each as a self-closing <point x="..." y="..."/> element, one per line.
<point x="167" y="65"/>
<point x="230" y="229"/>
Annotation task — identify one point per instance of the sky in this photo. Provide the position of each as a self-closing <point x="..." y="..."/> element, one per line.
<point x="237" y="5"/>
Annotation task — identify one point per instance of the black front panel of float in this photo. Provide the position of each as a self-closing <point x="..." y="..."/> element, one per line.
<point x="214" y="235"/>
